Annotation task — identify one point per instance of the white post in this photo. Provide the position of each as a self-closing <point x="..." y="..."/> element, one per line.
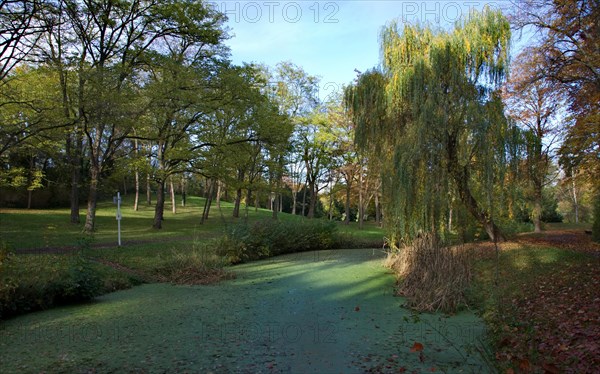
<point x="119" y="217"/>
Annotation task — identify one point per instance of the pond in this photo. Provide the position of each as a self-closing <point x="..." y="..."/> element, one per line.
<point x="312" y="312"/>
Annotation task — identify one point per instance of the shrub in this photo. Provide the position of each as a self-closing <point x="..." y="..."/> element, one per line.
<point x="5" y="253"/>
<point x="252" y="241"/>
<point x="33" y="282"/>
<point x="198" y="265"/>
<point x="511" y="228"/>
<point x="431" y="276"/>
<point x="350" y="240"/>
<point x="82" y="282"/>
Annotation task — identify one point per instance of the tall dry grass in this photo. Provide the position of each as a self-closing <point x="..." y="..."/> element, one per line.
<point x="197" y="265"/>
<point x="431" y="276"/>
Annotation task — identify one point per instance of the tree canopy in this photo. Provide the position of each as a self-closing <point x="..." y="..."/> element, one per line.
<point x="434" y="115"/>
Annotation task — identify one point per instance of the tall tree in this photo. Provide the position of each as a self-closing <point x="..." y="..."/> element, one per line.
<point x="112" y="39"/>
<point x="226" y="130"/>
<point x="318" y="145"/>
<point x="568" y="45"/>
<point x="434" y="116"/>
<point x="535" y="106"/>
<point x="242" y="130"/>
<point x="179" y="93"/>
<point x="53" y="48"/>
<point x="296" y="94"/>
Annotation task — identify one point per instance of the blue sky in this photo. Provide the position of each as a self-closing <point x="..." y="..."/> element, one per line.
<point x="327" y="38"/>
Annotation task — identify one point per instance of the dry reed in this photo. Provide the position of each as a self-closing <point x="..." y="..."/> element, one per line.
<point x="431" y="276"/>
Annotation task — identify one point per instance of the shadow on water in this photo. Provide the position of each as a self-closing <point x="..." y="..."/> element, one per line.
<point x="314" y="312"/>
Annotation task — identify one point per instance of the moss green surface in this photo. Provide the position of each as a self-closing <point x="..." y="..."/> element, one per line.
<point x="311" y="312"/>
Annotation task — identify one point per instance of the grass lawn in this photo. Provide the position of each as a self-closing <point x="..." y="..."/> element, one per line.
<point x="49" y="228"/>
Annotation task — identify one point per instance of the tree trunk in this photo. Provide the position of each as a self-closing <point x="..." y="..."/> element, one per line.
<point x="575" y="199"/>
<point x="312" y="188"/>
<point x="208" y="205"/>
<point x="313" y="201"/>
<point x="361" y="207"/>
<point x="136" y="199"/>
<point x="275" y="206"/>
<point x="236" y="205"/>
<point x="304" y="200"/>
<point x="183" y="192"/>
<point x="75" y="181"/>
<point x="347" y="204"/>
<point x="208" y="201"/>
<point x="90" y="216"/>
<point x="30" y="181"/>
<point x="238" y="193"/>
<point x="331" y="200"/>
<point x="461" y="180"/>
<point x="378" y="209"/>
<point x="218" y="198"/>
<point x="294" y="197"/>
<point x="248" y="197"/>
<point x="173" y="202"/>
<point x="160" y="205"/>
<point x="537" y="208"/>
<point x="148" y="190"/>
<point x="75" y="151"/>
<point x="461" y="177"/>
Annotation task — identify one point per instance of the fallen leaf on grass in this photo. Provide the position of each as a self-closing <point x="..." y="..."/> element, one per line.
<point x="524" y="365"/>
<point x="417" y="347"/>
<point x="550" y="369"/>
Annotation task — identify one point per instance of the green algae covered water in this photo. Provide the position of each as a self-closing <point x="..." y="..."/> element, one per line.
<point x="312" y="312"/>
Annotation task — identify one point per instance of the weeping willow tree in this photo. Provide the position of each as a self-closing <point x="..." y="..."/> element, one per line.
<point x="432" y="114"/>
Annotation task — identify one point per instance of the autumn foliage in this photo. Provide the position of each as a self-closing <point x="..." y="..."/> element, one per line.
<point x="544" y="311"/>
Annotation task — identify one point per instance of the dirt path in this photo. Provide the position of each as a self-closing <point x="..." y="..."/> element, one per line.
<point x="574" y="240"/>
<point x="314" y="312"/>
